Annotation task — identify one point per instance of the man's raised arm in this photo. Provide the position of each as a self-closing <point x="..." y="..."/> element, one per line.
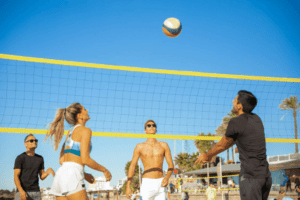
<point x="135" y="158"/>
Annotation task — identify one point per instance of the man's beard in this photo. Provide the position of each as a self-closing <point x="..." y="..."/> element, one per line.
<point x="233" y="110"/>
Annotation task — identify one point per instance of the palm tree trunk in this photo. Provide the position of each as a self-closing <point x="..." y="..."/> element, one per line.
<point x="227" y="155"/>
<point x="296" y="131"/>
<point x="208" y="174"/>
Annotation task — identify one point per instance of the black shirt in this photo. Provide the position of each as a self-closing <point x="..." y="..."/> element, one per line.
<point x="297" y="182"/>
<point x="247" y="131"/>
<point x="30" y="167"/>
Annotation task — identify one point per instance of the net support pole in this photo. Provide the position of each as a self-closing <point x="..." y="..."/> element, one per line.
<point x="174" y="153"/>
<point x="207" y="174"/>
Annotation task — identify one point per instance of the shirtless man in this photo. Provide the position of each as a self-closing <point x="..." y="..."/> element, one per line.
<point x="152" y="153"/>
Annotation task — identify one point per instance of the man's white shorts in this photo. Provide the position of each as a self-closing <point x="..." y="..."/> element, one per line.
<point x="151" y="189"/>
<point x="68" y="179"/>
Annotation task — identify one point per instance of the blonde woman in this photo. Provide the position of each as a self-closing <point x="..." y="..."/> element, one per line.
<point x="68" y="184"/>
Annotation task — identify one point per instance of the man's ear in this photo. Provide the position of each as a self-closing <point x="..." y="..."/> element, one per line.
<point x="78" y="116"/>
<point x="240" y="106"/>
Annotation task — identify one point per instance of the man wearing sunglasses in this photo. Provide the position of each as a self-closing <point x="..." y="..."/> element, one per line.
<point x="152" y="154"/>
<point x="28" y="166"/>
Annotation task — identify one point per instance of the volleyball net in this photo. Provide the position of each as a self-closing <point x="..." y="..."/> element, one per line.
<point x="121" y="99"/>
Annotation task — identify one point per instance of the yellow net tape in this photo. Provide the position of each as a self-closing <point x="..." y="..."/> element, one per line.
<point x="147" y="70"/>
<point x="141" y="135"/>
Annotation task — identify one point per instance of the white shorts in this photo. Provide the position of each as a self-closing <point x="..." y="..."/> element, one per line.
<point x="151" y="189"/>
<point x="68" y="179"/>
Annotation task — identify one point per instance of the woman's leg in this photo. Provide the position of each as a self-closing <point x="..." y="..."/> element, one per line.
<point x="81" y="195"/>
<point x="61" y="198"/>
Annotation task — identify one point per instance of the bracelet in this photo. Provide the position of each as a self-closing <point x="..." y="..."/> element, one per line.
<point x="170" y="169"/>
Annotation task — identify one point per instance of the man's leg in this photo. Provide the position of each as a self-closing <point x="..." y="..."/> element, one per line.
<point x="161" y="195"/>
<point x="148" y="190"/>
<point x="34" y="196"/>
<point x="17" y="197"/>
<point x="254" y="189"/>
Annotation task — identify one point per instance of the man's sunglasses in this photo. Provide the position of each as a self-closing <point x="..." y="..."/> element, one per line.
<point x="149" y="125"/>
<point x="31" y="141"/>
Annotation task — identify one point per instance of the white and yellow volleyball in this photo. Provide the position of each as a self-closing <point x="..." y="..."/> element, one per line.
<point x="171" y="27"/>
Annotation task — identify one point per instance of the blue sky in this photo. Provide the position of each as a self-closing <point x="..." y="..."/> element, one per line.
<point x="259" y="38"/>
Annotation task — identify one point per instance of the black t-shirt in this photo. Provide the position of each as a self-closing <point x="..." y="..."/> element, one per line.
<point x="297" y="182"/>
<point x="30" y="167"/>
<point x="247" y="131"/>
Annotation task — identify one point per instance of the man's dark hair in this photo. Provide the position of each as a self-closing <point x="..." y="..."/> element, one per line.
<point x="248" y="100"/>
<point x="28" y="136"/>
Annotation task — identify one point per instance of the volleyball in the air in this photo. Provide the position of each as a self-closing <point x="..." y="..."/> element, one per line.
<point x="171" y="27"/>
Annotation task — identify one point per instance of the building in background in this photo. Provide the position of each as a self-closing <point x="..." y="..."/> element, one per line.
<point x="121" y="182"/>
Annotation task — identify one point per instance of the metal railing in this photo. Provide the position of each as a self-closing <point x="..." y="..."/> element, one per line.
<point x="283" y="158"/>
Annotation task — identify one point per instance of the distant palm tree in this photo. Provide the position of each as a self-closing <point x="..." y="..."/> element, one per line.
<point x="204" y="145"/>
<point x="293" y="105"/>
<point x="186" y="162"/>
<point x="136" y="171"/>
<point x="135" y="179"/>
<point x="193" y="159"/>
<point x="182" y="160"/>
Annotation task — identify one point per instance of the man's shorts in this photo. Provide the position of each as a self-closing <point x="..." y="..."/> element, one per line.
<point x="68" y="179"/>
<point x="151" y="189"/>
<point x="31" y="196"/>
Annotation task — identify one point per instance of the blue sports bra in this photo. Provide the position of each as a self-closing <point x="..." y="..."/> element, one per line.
<point x="74" y="146"/>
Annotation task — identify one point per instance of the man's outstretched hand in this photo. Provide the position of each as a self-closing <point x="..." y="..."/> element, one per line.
<point x="202" y="159"/>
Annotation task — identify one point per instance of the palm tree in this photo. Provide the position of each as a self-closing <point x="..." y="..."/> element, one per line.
<point x="186" y="162"/>
<point x="203" y="146"/>
<point x="182" y="160"/>
<point x="221" y="130"/>
<point x="136" y="171"/>
<point x="193" y="159"/>
<point x="293" y="105"/>
<point x="135" y="183"/>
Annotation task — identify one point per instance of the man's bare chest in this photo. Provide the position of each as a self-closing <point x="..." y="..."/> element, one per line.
<point x="152" y="151"/>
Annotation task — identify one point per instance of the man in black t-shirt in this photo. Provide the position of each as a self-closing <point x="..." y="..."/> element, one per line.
<point x="247" y="132"/>
<point x="28" y="166"/>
